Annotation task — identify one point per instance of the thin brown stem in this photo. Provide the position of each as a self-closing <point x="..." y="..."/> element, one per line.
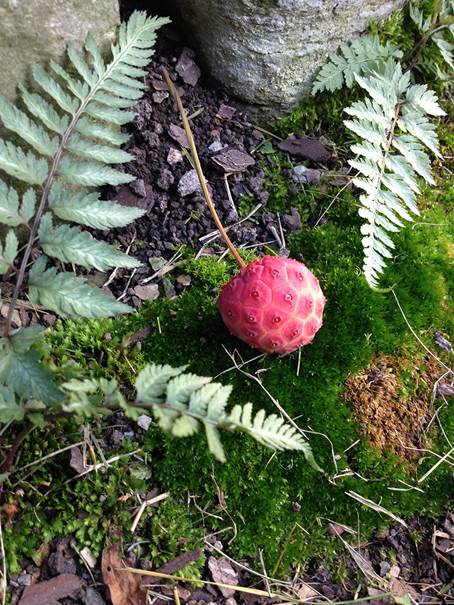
<point x="15" y="447"/>
<point x="198" y="167"/>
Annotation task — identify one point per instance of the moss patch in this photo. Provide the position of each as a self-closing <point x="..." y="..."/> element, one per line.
<point x="276" y="503"/>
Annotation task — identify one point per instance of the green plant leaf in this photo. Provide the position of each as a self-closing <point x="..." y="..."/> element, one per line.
<point x="54" y="90"/>
<point x="17" y="121"/>
<point x="87" y="209"/>
<point x="9" y="409"/>
<point x="151" y="382"/>
<point x="26" y="375"/>
<point x="100" y="131"/>
<point x="8" y="251"/>
<point x="23" y="339"/>
<point x="92" y="174"/>
<point x="78" y="88"/>
<point x="71" y="245"/>
<point x="44" y="111"/>
<point x="70" y="296"/>
<point x="92" y="151"/>
<point x="20" y="165"/>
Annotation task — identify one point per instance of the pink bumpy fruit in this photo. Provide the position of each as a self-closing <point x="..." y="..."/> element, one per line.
<point x="274" y="304"/>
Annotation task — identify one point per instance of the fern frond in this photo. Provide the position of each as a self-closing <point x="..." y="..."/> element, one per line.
<point x="70" y="296"/>
<point x="54" y="90"/>
<point x="393" y="125"/>
<point x="182" y="402"/>
<point x="88" y="88"/>
<point x="93" y="50"/>
<point x="17" y="121"/>
<point x="8" y="251"/>
<point x="271" y="431"/>
<point x="91" y="174"/>
<point x="44" y="111"/>
<point x="364" y="55"/>
<point x="87" y="209"/>
<point x="81" y="66"/>
<point x="71" y="245"/>
<point x="151" y="383"/>
<point x="110" y="114"/>
<point x="21" y="165"/>
<point x="100" y="131"/>
<point x="79" y="89"/>
<point x="10" y="213"/>
<point x="92" y="151"/>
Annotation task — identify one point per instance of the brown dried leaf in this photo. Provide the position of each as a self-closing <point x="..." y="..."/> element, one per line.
<point x="76" y="461"/>
<point x="138" y="336"/>
<point x="447" y="390"/>
<point x="51" y="591"/>
<point x="187" y="69"/>
<point x="309" y="149"/>
<point x="150" y="292"/>
<point x="178" y="134"/>
<point x="233" y="160"/>
<point x="304" y="592"/>
<point x="226" y="112"/>
<point x="125" y="588"/>
<point x="399" y="588"/>
<point x="223" y="573"/>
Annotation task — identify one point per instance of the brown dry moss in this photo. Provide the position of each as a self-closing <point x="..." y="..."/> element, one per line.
<point x="392" y="419"/>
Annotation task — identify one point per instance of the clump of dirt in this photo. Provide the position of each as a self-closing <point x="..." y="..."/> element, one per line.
<point x="391" y="419"/>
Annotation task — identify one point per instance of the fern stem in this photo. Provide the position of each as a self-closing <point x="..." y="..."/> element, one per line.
<point x="52" y="173"/>
<point x="199" y="170"/>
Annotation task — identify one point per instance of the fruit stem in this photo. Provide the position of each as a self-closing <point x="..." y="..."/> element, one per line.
<point x="198" y="167"/>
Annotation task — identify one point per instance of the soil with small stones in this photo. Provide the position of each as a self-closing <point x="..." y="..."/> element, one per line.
<point x="167" y="187"/>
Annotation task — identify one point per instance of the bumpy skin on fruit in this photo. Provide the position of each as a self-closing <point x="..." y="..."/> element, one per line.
<point x="274" y="304"/>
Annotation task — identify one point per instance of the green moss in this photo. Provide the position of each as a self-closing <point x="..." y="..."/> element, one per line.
<point x="258" y="489"/>
<point x="276" y="503"/>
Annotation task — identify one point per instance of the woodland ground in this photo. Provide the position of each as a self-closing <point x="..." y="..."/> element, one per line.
<point x="365" y="390"/>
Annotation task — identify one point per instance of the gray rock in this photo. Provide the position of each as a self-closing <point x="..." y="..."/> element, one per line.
<point x="189" y="183"/>
<point x="215" y="147"/>
<point x="92" y="597"/>
<point x="304" y="175"/>
<point x="267" y="53"/>
<point x="34" y="31"/>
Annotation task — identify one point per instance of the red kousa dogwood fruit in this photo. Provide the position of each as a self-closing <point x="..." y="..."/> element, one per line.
<point x="274" y="304"/>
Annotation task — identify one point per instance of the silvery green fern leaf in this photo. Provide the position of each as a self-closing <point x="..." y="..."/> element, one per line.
<point x="72" y="124"/>
<point x="72" y="245"/>
<point x="362" y="56"/>
<point x="93" y="151"/>
<point x="91" y="174"/>
<point x="69" y="295"/>
<point x="87" y="209"/>
<point x="22" y="165"/>
<point x="8" y="251"/>
<point x="17" y="121"/>
<point x="100" y="131"/>
<point x="393" y="125"/>
<point x="181" y="403"/>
